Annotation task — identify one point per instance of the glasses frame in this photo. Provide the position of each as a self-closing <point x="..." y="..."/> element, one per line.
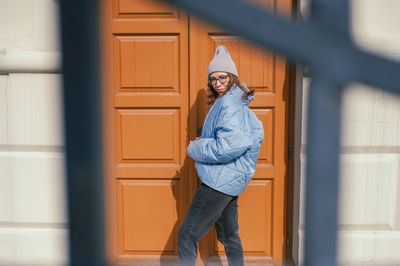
<point x="214" y="81"/>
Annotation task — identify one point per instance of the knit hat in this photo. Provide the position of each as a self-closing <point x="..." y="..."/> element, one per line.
<point x="222" y="62"/>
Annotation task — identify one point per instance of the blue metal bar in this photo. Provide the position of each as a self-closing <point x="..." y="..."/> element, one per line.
<point x="322" y="189"/>
<point x="334" y="15"/>
<point x="311" y="43"/>
<point x="82" y="122"/>
<point x="322" y="172"/>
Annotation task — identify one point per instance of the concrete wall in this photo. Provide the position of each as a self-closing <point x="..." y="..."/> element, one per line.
<point x="33" y="223"/>
<point x="370" y="154"/>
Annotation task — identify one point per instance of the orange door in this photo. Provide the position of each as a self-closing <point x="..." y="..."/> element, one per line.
<point x="261" y="206"/>
<point x="148" y="46"/>
<point x="154" y="106"/>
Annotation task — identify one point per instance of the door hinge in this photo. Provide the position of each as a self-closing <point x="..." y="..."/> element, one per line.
<point x="290" y="151"/>
<point x="287" y="241"/>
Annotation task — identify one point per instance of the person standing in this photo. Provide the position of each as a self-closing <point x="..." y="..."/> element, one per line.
<point x="225" y="157"/>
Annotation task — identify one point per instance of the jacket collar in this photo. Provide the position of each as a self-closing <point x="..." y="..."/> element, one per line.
<point x="237" y="94"/>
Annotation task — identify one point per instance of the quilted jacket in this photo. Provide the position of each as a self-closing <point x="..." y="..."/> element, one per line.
<point x="227" y="152"/>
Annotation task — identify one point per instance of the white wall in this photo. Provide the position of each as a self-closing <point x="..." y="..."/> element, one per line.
<point x="33" y="223"/>
<point x="370" y="155"/>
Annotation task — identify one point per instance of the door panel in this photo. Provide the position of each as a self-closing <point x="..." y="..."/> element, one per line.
<point x="255" y="66"/>
<point x="145" y="9"/>
<point x="150" y="223"/>
<point x="157" y="106"/>
<point x="255" y="206"/>
<point x="149" y="134"/>
<point x="266" y="116"/>
<point x="159" y="75"/>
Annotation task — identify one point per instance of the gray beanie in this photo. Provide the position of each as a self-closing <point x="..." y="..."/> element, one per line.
<point x="222" y="62"/>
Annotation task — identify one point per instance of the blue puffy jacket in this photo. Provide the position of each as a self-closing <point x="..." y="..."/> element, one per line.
<point x="227" y="152"/>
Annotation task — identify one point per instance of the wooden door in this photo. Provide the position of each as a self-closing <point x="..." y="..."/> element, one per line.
<point x="149" y="187"/>
<point x="154" y="106"/>
<point x="262" y="205"/>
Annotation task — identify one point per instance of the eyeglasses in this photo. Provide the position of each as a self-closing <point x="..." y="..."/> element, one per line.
<point x="221" y="79"/>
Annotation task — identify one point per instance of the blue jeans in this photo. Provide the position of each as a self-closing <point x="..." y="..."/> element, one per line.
<point x="209" y="207"/>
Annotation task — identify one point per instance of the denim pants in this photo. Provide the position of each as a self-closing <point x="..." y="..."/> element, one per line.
<point x="209" y="207"/>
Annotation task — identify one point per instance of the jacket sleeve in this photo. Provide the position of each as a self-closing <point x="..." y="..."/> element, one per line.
<point x="230" y="142"/>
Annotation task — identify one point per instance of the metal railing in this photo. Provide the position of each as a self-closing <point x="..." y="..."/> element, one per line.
<point x="82" y="126"/>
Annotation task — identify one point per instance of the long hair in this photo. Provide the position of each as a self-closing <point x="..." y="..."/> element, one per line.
<point x="233" y="80"/>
